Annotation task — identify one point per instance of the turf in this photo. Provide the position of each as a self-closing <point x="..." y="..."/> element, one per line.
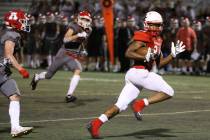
<point x="186" y="116"/>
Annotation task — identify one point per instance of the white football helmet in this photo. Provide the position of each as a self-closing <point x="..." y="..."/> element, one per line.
<point x="153" y="22"/>
<point x="84" y="19"/>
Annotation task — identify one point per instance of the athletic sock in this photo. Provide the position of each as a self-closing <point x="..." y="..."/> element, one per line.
<point x="40" y="76"/>
<point x="103" y="118"/>
<point x="73" y="84"/>
<point x="146" y="102"/>
<point x="14" y="113"/>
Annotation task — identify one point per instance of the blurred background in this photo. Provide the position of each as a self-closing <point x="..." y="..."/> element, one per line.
<point x="49" y="19"/>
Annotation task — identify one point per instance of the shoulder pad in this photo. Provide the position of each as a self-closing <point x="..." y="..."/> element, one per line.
<point x="10" y="35"/>
<point x="142" y="36"/>
<point x="74" y="27"/>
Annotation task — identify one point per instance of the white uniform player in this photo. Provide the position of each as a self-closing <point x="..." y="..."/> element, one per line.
<point x="139" y="76"/>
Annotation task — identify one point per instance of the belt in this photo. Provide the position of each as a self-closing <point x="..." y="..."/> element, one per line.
<point x="139" y="67"/>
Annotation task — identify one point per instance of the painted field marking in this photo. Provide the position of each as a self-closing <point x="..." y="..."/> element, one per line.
<point x="88" y="118"/>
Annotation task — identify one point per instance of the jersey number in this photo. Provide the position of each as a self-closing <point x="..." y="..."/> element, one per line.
<point x="13" y="16"/>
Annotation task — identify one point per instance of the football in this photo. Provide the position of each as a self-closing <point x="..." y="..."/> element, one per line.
<point x="142" y="51"/>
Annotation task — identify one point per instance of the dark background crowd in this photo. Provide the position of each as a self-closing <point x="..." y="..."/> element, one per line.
<point x="49" y="19"/>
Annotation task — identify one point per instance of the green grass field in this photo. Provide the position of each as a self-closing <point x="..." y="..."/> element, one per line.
<point x="185" y="117"/>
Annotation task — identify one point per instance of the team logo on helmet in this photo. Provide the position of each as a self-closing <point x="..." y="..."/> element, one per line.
<point x="17" y="19"/>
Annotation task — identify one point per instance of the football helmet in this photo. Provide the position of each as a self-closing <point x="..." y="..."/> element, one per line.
<point x="50" y="17"/>
<point x="131" y="21"/>
<point x="197" y="25"/>
<point x="42" y="18"/>
<point x="18" y="20"/>
<point x="64" y="20"/>
<point x="153" y="22"/>
<point x="84" y="19"/>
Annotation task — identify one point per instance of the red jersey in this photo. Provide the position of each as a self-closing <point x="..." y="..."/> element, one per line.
<point x="188" y="36"/>
<point x="154" y="42"/>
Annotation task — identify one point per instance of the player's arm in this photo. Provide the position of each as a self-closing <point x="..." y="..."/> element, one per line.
<point x="176" y="49"/>
<point x="131" y="51"/>
<point x="165" y="61"/>
<point x="9" y="50"/>
<point x="69" y="36"/>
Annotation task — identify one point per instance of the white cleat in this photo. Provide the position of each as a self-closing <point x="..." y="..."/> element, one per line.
<point x="21" y="131"/>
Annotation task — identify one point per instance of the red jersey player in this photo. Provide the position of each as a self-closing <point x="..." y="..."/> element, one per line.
<point x="139" y="76"/>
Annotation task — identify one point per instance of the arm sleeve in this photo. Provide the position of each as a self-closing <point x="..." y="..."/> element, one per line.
<point x="141" y="36"/>
<point x="11" y="36"/>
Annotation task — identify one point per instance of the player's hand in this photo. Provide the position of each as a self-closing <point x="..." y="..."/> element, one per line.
<point x="150" y="55"/>
<point x="82" y="34"/>
<point x="83" y="53"/>
<point x="177" y="49"/>
<point x="24" y="73"/>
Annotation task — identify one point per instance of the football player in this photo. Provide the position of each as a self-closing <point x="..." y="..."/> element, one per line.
<point x="69" y="53"/>
<point x="15" y="21"/>
<point x="140" y="76"/>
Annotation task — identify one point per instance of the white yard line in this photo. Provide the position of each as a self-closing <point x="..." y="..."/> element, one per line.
<point x="88" y="118"/>
<point x="101" y="80"/>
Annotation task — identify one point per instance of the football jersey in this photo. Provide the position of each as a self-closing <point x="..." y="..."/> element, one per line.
<point x="74" y="44"/>
<point x="154" y="42"/>
<point x="8" y="35"/>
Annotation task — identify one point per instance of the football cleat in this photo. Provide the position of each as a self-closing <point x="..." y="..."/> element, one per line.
<point x="138" y="115"/>
<point x="137" y="107"/>
<point x="34" y="82"/>
<point x="70" y="98"/>
<point x="21" y="131"/>
<point x="93" y="128"/>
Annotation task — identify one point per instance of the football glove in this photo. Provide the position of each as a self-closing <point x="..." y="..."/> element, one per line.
<point x="83" y="53"/>
<point x="150" y="55"/>
<point x="82" y="34"/>
<point x="177" y="49"/>
<point x="24" y="73"/>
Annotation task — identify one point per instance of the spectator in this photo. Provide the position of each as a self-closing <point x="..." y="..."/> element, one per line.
<point x="123" y="39"/>
<point x="188" y="36"/>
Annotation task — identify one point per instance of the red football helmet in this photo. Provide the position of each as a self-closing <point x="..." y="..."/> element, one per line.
<point x="18" y="20"/>
<point x="131" y="21"/>
<point x="197" y="25"/>
<point x="84" y="19"/>
<point x="153" y="22"/>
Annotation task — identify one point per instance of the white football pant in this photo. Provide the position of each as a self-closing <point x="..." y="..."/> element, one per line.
<point x="136" y="80"/>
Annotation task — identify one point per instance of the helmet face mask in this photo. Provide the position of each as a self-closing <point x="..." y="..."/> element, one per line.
<point x="18" y="20"/>
<point x="153" y="23"/>
<point x="25" y="25"/>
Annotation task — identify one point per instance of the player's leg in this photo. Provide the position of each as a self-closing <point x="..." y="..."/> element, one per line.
<point x="152" y="82"/>
<point x="76" y="67"/>
<point x="59" y="61"/>
<point x="127" y="95"/>
<point x="10" y="89"/>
